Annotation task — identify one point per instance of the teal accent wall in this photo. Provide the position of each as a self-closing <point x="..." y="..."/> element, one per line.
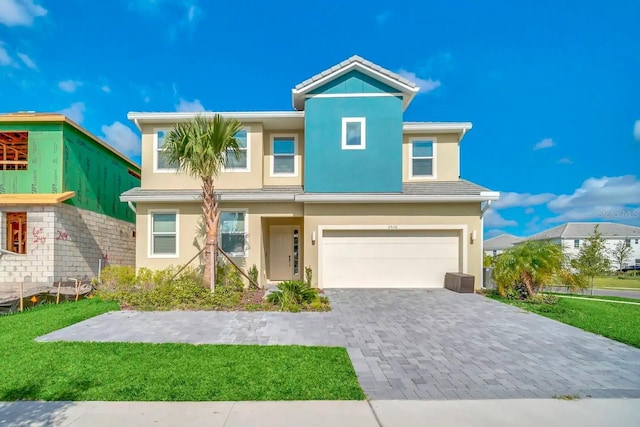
<point x="44" y="169"/>
<point x="97" y="175"/>
<point x="376" y="169"/>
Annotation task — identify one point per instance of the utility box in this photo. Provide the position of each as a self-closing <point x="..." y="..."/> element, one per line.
<point x="459" y="282"/>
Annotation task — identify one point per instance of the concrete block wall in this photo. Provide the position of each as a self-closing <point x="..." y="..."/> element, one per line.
<point x="82" y="238"/>
<point x="38" y="263"/>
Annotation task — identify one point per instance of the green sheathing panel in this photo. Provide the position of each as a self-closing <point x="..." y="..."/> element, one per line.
<point x="97" y="176"/>
<point x="44" y="170"/>
<point x="353" y="82"/>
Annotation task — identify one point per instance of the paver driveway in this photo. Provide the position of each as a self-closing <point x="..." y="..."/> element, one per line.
<point x="410" y="344"/>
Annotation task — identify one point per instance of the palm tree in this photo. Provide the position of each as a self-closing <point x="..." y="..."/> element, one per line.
<point x="200" y="148"/>
<point x="529" y="266"/>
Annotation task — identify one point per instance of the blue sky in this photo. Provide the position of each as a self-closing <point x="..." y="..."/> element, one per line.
<point x="552" y="87"/>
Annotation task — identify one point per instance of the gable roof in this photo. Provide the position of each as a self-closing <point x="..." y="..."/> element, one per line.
<point x="396" y="81"/>
<point x="501" y="242"/>
<point x="582" y="230"/>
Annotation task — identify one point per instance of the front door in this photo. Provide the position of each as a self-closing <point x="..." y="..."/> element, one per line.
<point x="283" y="253"/>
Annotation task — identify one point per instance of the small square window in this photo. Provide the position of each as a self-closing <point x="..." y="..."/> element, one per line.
<point x="576" y="244"/>
<point x="627" y="243"/>
<point x="16" y="226"/>
<point x="14" y="151"/>
<point x="164" y="234"/>
<point x="354" y="133"/>
<point x="233" y="233"/>
<point x="162" y="163"/>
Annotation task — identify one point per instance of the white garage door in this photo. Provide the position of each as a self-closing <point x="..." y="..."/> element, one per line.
<point x="388" y="258"/>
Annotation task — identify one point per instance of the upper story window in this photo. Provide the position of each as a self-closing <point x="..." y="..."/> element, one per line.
<point x="354" y="133"/>
<point x="161" y="163"/>
<point x="239" y="162"/>
<point x="627" y="242"/>
<point x="164" y="234"/>
<point x="576" y="244"/>
<point x="422" y="156"/>
<point x="233" y="233"/>
<point x="14" y="151"/>
<point x="283" y="162"/>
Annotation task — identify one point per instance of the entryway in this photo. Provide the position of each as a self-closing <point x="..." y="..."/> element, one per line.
<point x="283" y="250"/>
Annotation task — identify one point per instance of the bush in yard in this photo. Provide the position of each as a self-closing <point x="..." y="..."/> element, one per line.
<point x="294" y="295"/>
<point x="521" y="271"/>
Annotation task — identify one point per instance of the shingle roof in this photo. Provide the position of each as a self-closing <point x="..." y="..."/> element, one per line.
<point x="581" y="230"/>
<point x="361" y="61"/>
<point x="434" y="188"/>
<point x="501" y="242"/>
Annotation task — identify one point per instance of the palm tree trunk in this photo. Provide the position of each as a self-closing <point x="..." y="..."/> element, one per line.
<point x="528" y="284"/>
<point x="211" y="219"/>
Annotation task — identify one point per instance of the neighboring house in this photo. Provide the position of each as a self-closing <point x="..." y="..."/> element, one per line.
<point x="341" y="185"/>
<point x="59" y="207"/>
<point x="498" y="244"/>
<point x="572" y="235"/>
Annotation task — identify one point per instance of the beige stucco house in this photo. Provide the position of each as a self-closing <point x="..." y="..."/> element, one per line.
<point x="340" y="184"/>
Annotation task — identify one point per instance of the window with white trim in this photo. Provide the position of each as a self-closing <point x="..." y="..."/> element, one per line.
<point x="233" y="233"/>
<point x="627" y="242"/>
<point x="164" y="233"/>
<point x="422" y="158"/>
<point x="239" y="162"/>
<point x="576" y="244"/>
<point x="284" y="156"/>
<point x="161" y="162"/>
<point x="354" y="133"/>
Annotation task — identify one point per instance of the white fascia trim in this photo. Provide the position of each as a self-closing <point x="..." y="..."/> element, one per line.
<point x="388" y="198"/>
<point x="365" y="70"/>
<point x="354" y="95"/>
<point x="171" y="117"/>
<point x="436" y="127"/>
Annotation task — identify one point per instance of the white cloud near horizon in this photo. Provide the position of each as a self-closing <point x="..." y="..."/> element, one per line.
<point x="75" y="112"/>
<point x="521" y="200"/>
<point x="194" y="106"/>
<point x="69" y="86"/>
<point x="493" y="219"/>
<point x="122" y="138"/>
<point x="425" y="85"/>
<point x="14" y="13"/>
<point x="545" y="143"/>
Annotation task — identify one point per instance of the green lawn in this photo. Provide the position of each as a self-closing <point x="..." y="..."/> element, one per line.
<point x="118" y="371"/>
<point x="614" y="282"/>
<point x="620" y="322"/>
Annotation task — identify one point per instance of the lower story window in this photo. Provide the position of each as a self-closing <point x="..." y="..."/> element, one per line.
<point x="164" y="234"/>
<point x="17" y="232"/>
<point x="233" y="233"/>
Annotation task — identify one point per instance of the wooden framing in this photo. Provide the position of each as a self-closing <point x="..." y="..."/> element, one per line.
<point x="14" y="150"/>
<point x="35" y="199"/>
<point x="17" y="232"/>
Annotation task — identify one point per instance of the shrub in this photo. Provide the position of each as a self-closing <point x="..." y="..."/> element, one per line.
<point x="228" y="276"/>
<point x="253" y="275"/>
<point x="292" y="295"/>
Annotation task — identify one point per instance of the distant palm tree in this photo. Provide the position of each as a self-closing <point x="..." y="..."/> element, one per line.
<point x="200" y="147"/>
<point x="528" y="266"/>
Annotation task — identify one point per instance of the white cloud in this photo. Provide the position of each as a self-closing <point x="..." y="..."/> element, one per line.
<point x="26" y="60"/>
<point x="5" y="58"/>
<point x="545" y="143"/>
<point x="425" y="85"/>
<point x="617" y="190"/>
<point x="105" y="89"/>
<point x="122" y="138"/>
<point x="529" y="211"/>
<point x="636" y="130"/>
<point x="493" y="219"/>
<point x="75" y="112"/>
<point x="606" y="198"/>
<point x="492" y="233"/>
<point x="521" y="200"/>
<point x="565" y="161"/>
<point x="20" y="12"/>
<point x="194" y="106"/>
<point x="69" y="85"/>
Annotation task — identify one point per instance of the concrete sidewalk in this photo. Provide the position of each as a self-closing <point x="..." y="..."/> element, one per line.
<point x="385" y="413"/>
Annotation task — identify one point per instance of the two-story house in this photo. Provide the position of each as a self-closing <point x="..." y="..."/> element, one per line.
<point x="60" y="214"/>
<point x="341" y="185"/>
